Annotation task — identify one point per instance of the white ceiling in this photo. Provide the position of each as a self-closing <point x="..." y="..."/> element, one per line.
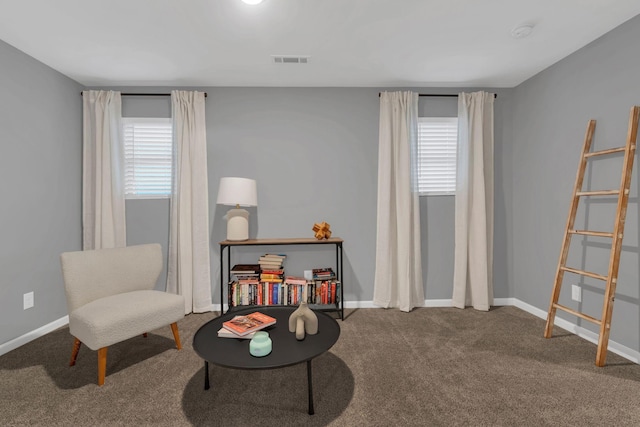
<point x="379" y="43"/>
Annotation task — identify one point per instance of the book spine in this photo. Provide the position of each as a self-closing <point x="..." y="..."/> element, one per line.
<point x="333" y="292"/>
<point x="324" y="292"/>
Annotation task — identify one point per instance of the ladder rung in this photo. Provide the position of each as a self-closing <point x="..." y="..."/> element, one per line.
<point x="591" y="233"/>
<point x="603" y="152"/>
<point x="598" y="193"/>
<point x="577" y="313"/>
<point x="584" y="273"/>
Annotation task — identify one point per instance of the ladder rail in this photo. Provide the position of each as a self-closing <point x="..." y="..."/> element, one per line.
<point x="618" y="233"/>
<point x="564" y="253"/>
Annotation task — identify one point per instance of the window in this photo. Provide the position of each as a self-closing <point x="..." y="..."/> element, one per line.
<point x="148" y="152"/>
<point x="437" y="145"/>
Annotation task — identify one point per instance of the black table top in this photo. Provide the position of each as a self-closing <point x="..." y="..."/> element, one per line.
<point x="286" y="349"/>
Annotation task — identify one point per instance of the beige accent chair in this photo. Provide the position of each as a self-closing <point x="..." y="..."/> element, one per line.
<point x="110" y="298"/>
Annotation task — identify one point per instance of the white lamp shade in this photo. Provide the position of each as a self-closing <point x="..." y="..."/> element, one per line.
<point x="237" y="192"/>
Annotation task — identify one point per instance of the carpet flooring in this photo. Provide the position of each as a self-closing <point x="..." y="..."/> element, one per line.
<point x="430" y="367"/>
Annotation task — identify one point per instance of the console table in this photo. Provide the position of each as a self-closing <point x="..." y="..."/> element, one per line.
<point x="226" y="245"/>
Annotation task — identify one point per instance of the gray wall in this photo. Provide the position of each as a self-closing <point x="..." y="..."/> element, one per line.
<point x="551" y="111"/>
<point x="313" y="152"/>
<point x="40" y="189"/>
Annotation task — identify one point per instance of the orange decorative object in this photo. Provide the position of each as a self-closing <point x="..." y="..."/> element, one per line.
<point x="322" y="230"/>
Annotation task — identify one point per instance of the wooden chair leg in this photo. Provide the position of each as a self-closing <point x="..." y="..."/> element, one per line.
<point x="176" y="334"/>
<point x="74" y="353"/>
<point x="102" y="365"/>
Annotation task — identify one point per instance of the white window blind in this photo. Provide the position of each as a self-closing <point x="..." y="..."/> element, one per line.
<point x="148" y="152"/>
<point x="437" y="146"/>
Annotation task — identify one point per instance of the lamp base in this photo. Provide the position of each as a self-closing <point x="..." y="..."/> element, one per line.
<point x="237" y="224"/>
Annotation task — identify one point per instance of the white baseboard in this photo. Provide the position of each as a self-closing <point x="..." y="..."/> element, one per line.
<point x="30" y="336"/>
<point x="360" y="304"/>
<point x="437" y="303"/>
<point x="207" y="309"/>
<point x="586" y="334"/>
<point x="503" y="302"/>
<point x="427" y="303"/>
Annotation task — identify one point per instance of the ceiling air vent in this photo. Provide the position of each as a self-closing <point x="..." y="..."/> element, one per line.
<point x="290" y="59"/>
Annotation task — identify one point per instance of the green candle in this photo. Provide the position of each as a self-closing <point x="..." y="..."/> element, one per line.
<point x="260" y="344"/>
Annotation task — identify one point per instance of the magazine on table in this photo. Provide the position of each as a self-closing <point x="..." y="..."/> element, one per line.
<point x="243" y="325"/>
<point x="225" y="333"/>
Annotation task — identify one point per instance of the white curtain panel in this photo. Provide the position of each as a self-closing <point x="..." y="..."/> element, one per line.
<point x="473" y="259"/>
<point x="188" y="271"/>
<point x="103" y="215"/>
<point x="398" y="274"/>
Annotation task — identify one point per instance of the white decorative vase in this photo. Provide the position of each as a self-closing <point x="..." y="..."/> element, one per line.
<point x="302" y="321"/>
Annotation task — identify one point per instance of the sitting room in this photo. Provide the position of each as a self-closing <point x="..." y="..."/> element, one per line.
<point x="434" y="203"/>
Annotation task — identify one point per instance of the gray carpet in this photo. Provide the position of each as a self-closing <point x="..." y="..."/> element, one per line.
<point x="430" y="367"/>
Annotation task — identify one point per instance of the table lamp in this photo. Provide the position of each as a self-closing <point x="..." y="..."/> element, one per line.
<point x="237" y="192"/>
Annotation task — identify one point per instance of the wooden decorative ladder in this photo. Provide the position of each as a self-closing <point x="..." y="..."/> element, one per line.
<point x="618" y="231"/>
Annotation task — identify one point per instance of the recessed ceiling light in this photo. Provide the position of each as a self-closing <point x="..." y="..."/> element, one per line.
<point x="252" y="2"/>
<point x="522" y="31"/>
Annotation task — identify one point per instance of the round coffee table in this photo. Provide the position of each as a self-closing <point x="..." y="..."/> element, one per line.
<point x="287" y="350"/>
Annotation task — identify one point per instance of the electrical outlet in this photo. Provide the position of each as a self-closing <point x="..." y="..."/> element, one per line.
<point x="576" y="293"/>
<point x="27" y="300"/>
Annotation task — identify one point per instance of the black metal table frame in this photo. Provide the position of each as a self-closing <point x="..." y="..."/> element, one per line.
<point x="279" y="242"/>
<point x="309" y="382"/>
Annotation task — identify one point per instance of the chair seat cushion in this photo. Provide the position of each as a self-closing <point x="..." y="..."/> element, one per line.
<point x="116" y="318"/>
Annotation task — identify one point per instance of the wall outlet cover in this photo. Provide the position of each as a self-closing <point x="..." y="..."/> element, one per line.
<point x="27" y="300"/>
<point x="576" y="293"/>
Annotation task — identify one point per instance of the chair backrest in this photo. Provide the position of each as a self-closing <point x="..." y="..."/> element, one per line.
<point x="93" y="274"/>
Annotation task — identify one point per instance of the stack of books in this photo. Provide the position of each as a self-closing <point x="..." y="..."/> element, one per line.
<point x="271" y="261"/>
<point x="325" y="292"/>
<point x="241" y="289"/>
<point x="245" y="326"/>
<point x="297" y="290"/>
<point x="325" y="273"/>
<point x="271" y="287"/>
<point x="325" y="288"/>
<point x="246" y="271"/>
<point x="270" y="290"/>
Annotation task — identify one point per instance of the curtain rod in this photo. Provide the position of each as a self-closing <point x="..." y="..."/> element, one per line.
<point x="443" y="95"/>
<point x="148" y="94"/>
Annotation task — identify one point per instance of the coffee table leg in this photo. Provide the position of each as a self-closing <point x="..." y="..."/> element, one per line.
<point x="309" y="383"/>
<point x="206" y="375"/>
